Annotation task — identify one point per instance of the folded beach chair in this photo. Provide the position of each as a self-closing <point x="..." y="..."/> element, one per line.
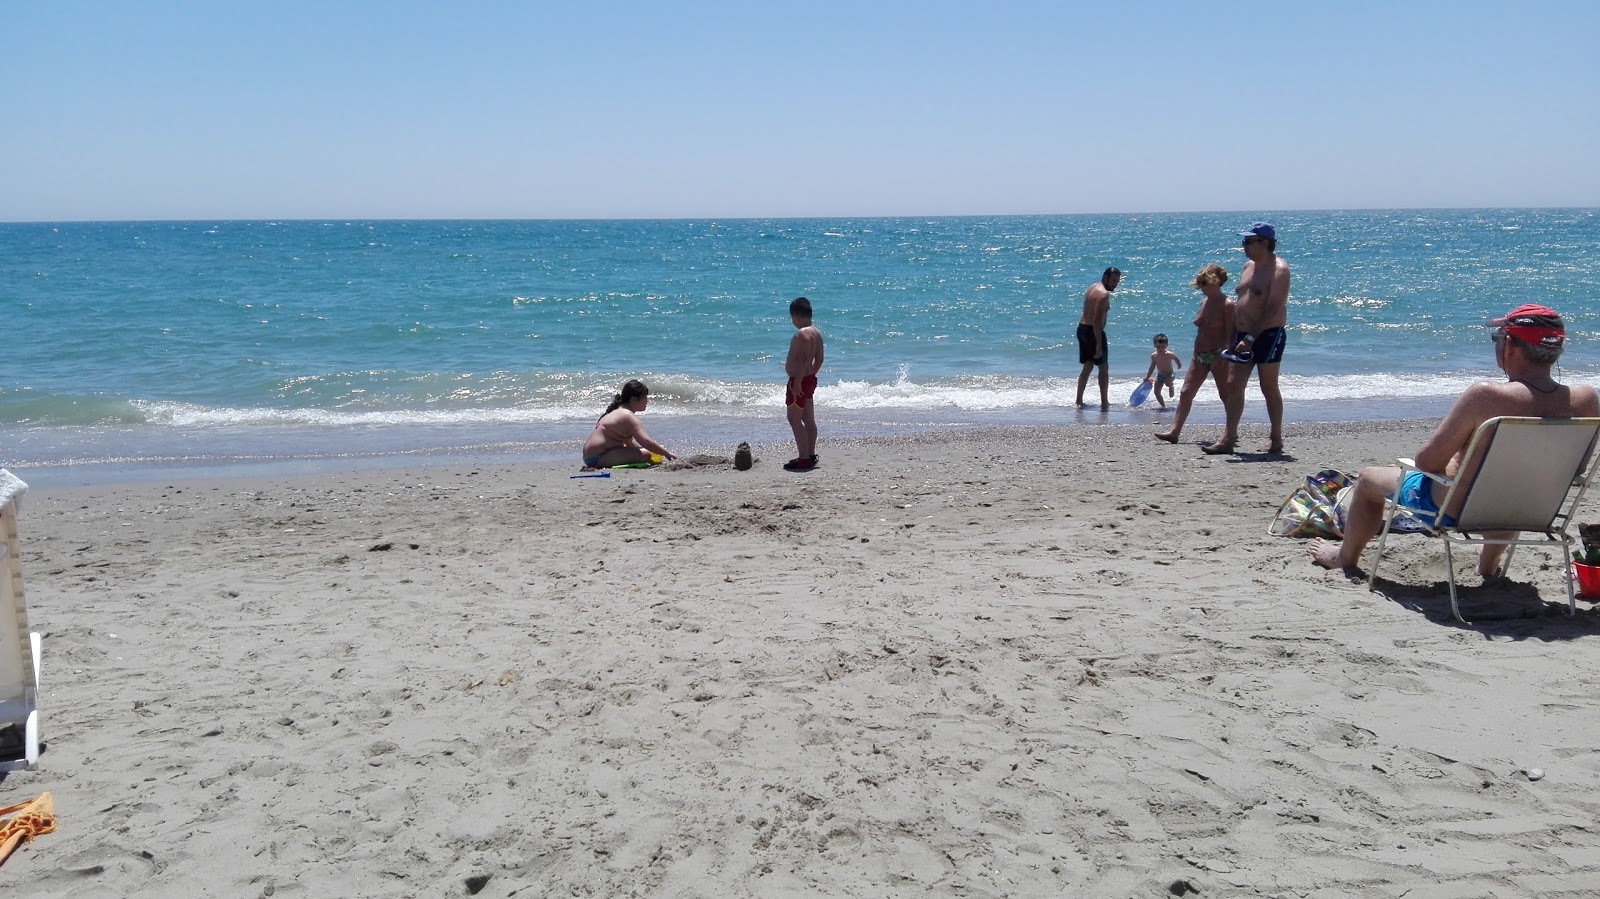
<point x="19" y="649"/>
<point x="1525" y="476"/>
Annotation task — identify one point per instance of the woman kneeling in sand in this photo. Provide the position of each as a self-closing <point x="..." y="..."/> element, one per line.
<point x="618" y="437"/>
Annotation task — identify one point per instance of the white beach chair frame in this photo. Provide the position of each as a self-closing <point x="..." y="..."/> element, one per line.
<point x="1534" y="474"/>
<point x="19" y="648"/>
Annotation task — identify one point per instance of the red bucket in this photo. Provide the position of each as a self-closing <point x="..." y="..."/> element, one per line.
<point x="1588" y="580"/>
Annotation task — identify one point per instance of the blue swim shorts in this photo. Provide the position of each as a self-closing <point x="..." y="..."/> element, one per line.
<point x="1416" y="492"/>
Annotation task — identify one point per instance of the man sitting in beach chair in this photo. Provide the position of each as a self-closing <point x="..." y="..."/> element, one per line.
<point x="1527" y="343"/>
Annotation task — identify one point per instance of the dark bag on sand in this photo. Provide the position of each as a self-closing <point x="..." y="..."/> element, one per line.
<point x="741" y="457"/>
<point x="1312" y="510"/>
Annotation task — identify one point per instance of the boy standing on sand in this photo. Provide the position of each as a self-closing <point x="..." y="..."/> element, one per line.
<point x="805" y="360"/>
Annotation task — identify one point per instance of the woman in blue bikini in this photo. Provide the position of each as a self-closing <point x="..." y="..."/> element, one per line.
<point x="618" y="437"/>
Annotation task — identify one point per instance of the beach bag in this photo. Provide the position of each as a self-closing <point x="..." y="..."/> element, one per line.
<point x="1313" y="510"/>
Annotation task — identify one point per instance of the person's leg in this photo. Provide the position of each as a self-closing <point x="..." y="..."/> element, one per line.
<point x="797" y="424"/>
<point x="1083" y="380"/>
<point x="1159" y="400"/>
<point x="1191" y="387"/>
<point x="1105" y="386"/>
<point x="1221" y="376"/>
<point x="808" y="421"/>
<point x="1364" y="520"/>
<point x="623" y="455"/>
<point x="1267" y="377"/>
<point x="1491" y="555"/>
<point x="1233" y="407"/>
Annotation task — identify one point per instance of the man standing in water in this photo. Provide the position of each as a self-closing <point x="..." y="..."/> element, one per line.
<point x="1259" y="317"/>
<point x="1092" y="334"/>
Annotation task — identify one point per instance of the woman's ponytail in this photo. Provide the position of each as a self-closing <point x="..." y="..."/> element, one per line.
<point x="630" y="390"/>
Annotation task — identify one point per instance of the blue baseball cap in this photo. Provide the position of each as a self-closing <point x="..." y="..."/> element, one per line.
<point x="1260" y="229"/>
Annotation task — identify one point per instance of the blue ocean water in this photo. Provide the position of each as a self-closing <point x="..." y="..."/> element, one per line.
<point x="210" y="342"/>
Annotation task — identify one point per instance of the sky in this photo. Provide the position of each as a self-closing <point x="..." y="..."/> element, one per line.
<point x="698" y="109"/>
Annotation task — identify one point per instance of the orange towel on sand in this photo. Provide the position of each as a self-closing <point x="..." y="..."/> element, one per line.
<point x="34" y="817"/>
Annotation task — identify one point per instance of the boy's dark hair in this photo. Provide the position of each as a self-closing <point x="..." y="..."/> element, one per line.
<point x="1161" y="338"/>
<point x="801" y="307"/>
<point x="1106" y="275"/>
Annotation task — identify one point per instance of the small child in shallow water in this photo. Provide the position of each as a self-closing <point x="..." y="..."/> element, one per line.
<point x="1163" y="363"/>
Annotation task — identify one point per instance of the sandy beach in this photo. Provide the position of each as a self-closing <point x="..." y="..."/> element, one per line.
<point x="1051" y="662"/>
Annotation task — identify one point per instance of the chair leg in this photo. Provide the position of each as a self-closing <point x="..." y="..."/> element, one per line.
<point x="1383" y="538"/>
<point x="1572" y="589"/>
<point x="1450" y="572"/>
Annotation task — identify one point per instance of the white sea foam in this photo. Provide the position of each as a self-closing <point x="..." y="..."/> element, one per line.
<point x="683" y="396"/>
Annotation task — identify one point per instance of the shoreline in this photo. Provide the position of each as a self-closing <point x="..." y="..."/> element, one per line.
<point x="68" y="456"/>
<point x="1024" y="662"/>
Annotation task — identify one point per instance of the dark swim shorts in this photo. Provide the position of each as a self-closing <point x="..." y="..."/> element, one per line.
<point x="1087" y="351"/>
<point x="1268" y="347"/>
<point x="808" y="389"/>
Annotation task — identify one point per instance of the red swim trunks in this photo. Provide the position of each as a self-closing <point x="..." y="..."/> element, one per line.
<point x="808" y="389"/>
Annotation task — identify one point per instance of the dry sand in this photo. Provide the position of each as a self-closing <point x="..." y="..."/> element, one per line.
<point x="1056" y="662"/>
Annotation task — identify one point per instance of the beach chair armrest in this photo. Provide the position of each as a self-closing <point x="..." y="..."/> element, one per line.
<point x="1408" y="464"/>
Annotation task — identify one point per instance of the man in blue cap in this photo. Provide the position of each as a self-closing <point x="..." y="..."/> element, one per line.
<point x="1259" y="315"/>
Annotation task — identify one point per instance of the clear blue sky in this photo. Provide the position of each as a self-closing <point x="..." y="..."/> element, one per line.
<point x="183" y="110"/>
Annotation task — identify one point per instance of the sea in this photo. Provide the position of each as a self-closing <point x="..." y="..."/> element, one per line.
<point x="211" y="348"/>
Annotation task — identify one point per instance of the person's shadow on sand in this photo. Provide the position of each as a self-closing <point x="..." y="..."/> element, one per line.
<point x="1240" y="456"/>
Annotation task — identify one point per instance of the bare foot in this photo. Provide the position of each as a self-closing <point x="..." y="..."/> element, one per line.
<point x="1167" y="436"/>
<point x="1218" y="449"/>
<point x="1326" y="553"/>
<point x="1273" y="449"/>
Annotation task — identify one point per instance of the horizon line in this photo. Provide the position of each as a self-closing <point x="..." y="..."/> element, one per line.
<point x="758" y="218"/>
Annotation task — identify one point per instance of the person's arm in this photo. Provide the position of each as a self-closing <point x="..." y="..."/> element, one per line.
<point x="816" y="353"/>
<point x="1450" y="438"/>
<point x="1277" y="295"/>
<point x="1177" y="360"/>
<point x="1152" y="369"/>
<point x="1588" y="404"/>
<point x="644" y="440"/>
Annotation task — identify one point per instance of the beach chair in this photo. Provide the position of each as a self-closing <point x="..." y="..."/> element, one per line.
<point x="19" y="648"/>
<point x="1525" y="476"/>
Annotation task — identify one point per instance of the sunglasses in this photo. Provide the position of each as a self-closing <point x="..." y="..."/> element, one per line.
<point x="1250" y="240"/>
